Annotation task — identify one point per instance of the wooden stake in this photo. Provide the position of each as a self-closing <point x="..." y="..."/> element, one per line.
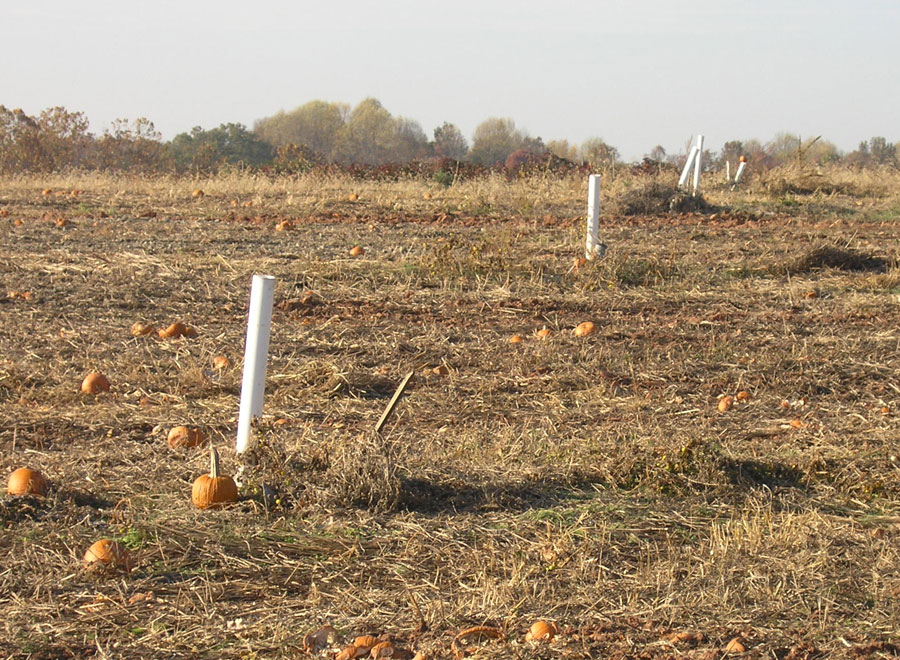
<point x="393" y="402"/>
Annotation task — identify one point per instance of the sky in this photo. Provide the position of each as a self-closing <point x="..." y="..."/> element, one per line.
<point x="636" y="73"/>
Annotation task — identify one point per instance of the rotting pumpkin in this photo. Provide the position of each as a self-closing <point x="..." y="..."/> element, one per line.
<point x="213" y="489"/>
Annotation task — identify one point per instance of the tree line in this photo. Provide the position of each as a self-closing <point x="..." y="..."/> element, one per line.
<point x="326" y="134"/>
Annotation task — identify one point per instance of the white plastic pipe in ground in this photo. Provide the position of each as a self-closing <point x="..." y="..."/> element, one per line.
<point x="740" y="171"/>
<point x="728" y="170"/>
<point x="698" y="164"/>
<point x="593" y="216"/>
<point x="256" y="354"/>
<point x="687" y="166"/>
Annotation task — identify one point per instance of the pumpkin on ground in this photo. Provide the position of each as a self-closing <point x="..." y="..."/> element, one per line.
<point x="183" y="437"/>
<point x="94" y="383"/>
<point x="26" y="481"/>
<point x="213" y="489"/>
<point x="107" y="553"/>
<point x="541" y="630"/>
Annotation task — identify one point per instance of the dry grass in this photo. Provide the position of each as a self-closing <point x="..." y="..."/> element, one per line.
<point x="590" y="481"/>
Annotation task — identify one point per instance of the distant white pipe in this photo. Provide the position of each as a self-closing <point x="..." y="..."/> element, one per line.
<point x="698" y="164"/>
<point x="593" y="216"/>
<point x="256" y="354"/>
<point x="728" y="170"/>
<point x="687" y="166"/>
<point x="740" y="172"/>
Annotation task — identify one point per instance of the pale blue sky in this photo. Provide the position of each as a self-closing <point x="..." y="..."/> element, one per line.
<point x="636" y="73"/>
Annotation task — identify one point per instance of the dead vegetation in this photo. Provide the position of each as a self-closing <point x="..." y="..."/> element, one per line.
<point x="589" y="481"/>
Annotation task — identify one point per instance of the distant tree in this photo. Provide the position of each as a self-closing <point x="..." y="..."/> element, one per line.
<point x="449" y="142"/>
<point x="598" y="154"/>
<point x="132" y="146"/>
<point x="409" y="141"/>
<point x="371" y="136"/>
<point x="495" y="139"/>
<point x="658" y="154"/>
<point x="21" y="148"/>
<point x="562" y="149"/>
<point x="65" y="138"/>
<point x="207" y="150"/>
<point x="315" y="125"/>
<point x="732" y="152"/>
<point x="882" y="152"/>
<point x="366" y="136"/>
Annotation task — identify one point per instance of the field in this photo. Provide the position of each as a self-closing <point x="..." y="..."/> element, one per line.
<point x="591" y="481"/>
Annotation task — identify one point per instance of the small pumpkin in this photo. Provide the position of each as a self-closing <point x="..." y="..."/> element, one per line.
<point x="365" y="642"/>
<point x="221" y="362"/>
<point x="107" y="553"/>
<point x="541" y="630"/>
<point x="516" y="339"/>
<point x="197" y="193"/>
<point x="725" y="403"/>
<point x="26" y="481"/>
<point x="743" y="396"/>
<point x="544" y="333"/>
<point x="94" y="383"/>
<point x="743" y="159"/>
<point x="585" y="329"/>
<point x="213" y="489"/>
<point x="183" y="437"/>
<point x="357" y="251"/>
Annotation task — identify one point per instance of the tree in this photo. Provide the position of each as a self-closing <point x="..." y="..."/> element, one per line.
<point x="882" y="152"/>
<point x="449" y="142"/>
<point x="495" y="139"/>
<point x="598" y="154"/>
<point x="315" y="125"/>
<point x="134" y="146"/>
<point x="562" y="149"/>
<point x="657" y="153"/>
<point x="65" y="138"/>
<point x="21" y="149"/>
<point x="207" y="150"/>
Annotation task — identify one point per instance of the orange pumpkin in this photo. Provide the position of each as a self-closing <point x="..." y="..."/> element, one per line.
<point x="725" y="403"/>
<point x="357" y="251"/>
<point x="585" y="329"/>
<point x="107" y="553"/>
<point x="26" y="481"/>
<point x="541" y="630"/>
<point x="544" y="333"/>
<point x="213" y="490"/>
<point x="95" y="383"/>
<point x="184" y="437"/>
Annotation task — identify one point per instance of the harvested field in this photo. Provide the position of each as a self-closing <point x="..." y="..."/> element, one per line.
<point x="592" y="481"/>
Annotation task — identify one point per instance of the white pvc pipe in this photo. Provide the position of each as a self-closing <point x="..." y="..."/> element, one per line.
<point x="740" y="171"/>
<point x="256" y="353"/>
<point x="728" y="170"/>
<point x="687" y="166"/>
<point x="698" y="164"/>
<point x="593" y="216"/>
